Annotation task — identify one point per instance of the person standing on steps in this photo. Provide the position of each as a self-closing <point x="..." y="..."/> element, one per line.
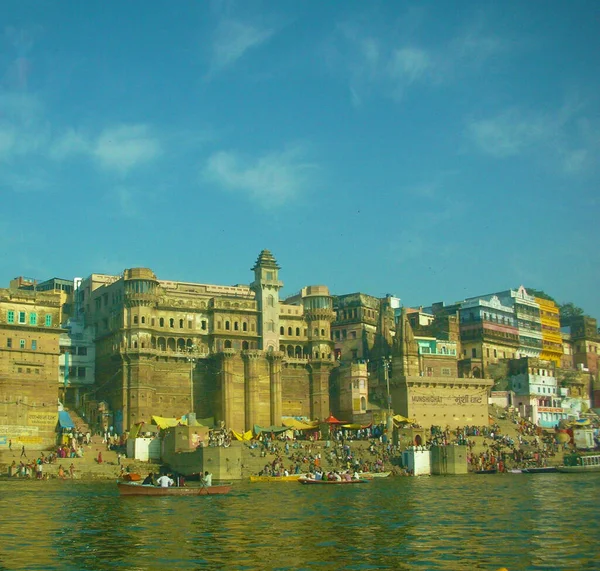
<point x="23" y="452"/>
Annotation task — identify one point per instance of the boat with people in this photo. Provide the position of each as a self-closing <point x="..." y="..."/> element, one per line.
<point x="580" y="463"/>
<point x="138" y="489"/>
<point x="331" y="482"/>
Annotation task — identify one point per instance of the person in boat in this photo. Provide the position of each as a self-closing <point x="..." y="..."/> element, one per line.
<point x="207" y="479"/>
<point x="149" y="480"/>
<point x="356" y="475"/>
<point x="164" y="481"/>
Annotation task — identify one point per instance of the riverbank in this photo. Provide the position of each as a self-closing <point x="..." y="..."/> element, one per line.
<point x="330" y="455"/>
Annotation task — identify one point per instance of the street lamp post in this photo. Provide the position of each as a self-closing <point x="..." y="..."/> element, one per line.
<point x="386" y="364"/>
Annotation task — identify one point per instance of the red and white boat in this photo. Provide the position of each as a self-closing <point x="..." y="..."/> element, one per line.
<point x="137" y="489"/>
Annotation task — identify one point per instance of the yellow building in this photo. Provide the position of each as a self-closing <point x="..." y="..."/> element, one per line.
<point x="29" y="352"/>
<point x="552" y="342"/>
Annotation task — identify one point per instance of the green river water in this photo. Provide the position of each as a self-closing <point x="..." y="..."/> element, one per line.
<point x="517" y="521"/>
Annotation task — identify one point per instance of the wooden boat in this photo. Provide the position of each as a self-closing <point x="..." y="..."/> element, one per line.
<point x="137" y="489"/>
<point x="313" y="481"/>
<point x="578" y="464"/>
<point x="290" y="478"/>
<point x="539" y="470"/>
<point x="372" y="475"/>
<point x="488" y="471"/>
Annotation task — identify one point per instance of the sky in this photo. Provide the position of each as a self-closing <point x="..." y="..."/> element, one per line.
<point x="431" y="150"/>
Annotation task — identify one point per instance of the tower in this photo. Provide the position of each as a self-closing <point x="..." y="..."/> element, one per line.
<point x="406" y="349"/>
<point x="266" y="286"/>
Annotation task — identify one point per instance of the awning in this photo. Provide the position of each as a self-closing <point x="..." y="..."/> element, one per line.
<point x="64" y="420"/>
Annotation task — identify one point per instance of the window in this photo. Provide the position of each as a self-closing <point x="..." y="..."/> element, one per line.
<point x="474" y="353"/>
<point x="9" y="343"/>
<point x="270" y="301"/>
<point x="203" y="324"/>
<point x="10" y="316"/>
<point x="297" y="331"/>
<point x="282" y="330"/>
<point x="82" y="350"/>
<point x="21" y="317"/>
<point x="48" y="321"/>
<point x="135" y="319"/>
<point x="445" y="371"/>
<point x="227" y="326"/>
<point x="244" y="326"/>
<point x="190" y="323"/>
<point x="33" y="345"/>
<point x="33" y="318"/>
<point x="171" y="322"/>
<point x="236" y="326"/>
<point x="161" y="321"/>
<point x="22" y="343"/>
<point x="181" y="324"/>
<point x="271" y="326"/>
<point x="143" y="319"/>
<point x="290" y="331"/>
<point x="81" y="372"/>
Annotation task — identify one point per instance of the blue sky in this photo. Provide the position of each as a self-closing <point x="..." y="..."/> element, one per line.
<point x="433" y="150"/>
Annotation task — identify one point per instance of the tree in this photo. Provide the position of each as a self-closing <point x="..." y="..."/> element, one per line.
<point x="540" y="293"/>
<point x="498" y="372"/>
<point x="569" y="310"/>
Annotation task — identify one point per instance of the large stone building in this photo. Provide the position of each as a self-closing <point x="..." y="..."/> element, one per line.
<point x="425" y="386"/>
<point x="29" y="352"/>
<point x="238" y="354"/>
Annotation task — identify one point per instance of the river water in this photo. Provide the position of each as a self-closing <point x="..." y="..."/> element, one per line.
<point x="517" y="521"/>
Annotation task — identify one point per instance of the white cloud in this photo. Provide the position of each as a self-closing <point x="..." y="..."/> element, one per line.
<point x="69" y="144"/>
<point x="508" y="134"/>
<point x="384" y="64"/>
<point x="409" y="64"/>
<point x="271" y="180"/>
<point x="560" y="138"/>
<point x="233" y="39"/>
<point x="125" y="147"/>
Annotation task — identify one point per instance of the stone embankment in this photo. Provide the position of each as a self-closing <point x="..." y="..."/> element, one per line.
<point x="253" y="462"/>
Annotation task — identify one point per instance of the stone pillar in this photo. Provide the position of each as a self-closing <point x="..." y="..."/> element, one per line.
<point x="251" y="387"/>
<point x="275" y="359"/>
<point x="227" y="388"/>
<point x="320" y="370"/>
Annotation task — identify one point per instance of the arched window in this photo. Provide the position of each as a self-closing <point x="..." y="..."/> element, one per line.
<point x="227" y="344"/>
<point x="316" y="332"/>
<point x="270" y="301"/>
<point x="322" y="332"/>
<point x="245" y="345"/>
<point x="363" y="403"/>
<point x="135" y="345"/>
<point x="135" y="318"/>
<point x="171" y="322"/>
<point x="161" y="321"/>
<point x="227" y="325"/>
<point x="203" y="324"/>
<point x="290" y="331"/>
<point x="282" y="330"/>
<point x="297" y="331"/>
<point x="244" y="326"/>
<point x="143" y="319"/>
<point x="236" y="326"/>
<point x="181" y="324"/>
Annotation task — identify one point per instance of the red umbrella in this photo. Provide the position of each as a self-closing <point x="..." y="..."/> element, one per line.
<point x="333" y="420"/>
